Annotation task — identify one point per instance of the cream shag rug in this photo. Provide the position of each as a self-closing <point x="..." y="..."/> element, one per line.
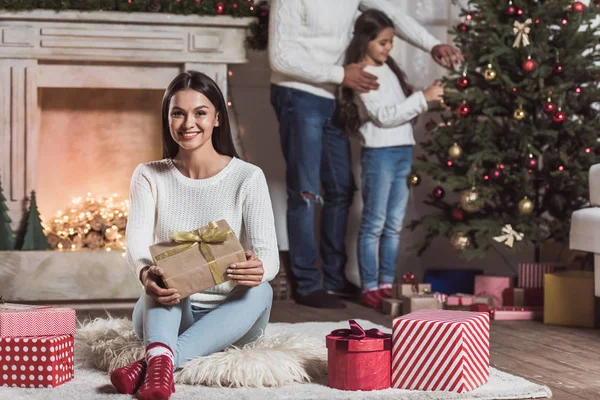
<point x="288" y="362"/>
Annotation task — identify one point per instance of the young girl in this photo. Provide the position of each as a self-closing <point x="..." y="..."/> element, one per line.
<point x="383" y="118"/>
<point x="199" y="180"/>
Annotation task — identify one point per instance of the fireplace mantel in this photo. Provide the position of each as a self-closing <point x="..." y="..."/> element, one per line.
<point x="72" y="49"/>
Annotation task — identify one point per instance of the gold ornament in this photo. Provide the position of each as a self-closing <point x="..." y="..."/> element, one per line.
<point x="414" y="180"/>
<point x="490" y="73"/>
<point x="525" y="206"/>
<point x="455" y="152"/>
<point x="460" y="241"/>
<point x="468" y="200"/>
<point x="519" y="114"/>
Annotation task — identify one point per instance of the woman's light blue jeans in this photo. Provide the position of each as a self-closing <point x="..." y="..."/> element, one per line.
<point x="192" y="331"/>
<point x="385" y="195"/>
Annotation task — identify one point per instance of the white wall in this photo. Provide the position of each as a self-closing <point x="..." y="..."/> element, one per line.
<point x="250" y="93"/>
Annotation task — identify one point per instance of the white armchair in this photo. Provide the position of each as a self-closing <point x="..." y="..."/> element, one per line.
<point x="585" y="225"/>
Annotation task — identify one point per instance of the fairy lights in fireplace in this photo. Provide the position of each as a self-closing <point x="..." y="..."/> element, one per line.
<point x="90" y="223"/>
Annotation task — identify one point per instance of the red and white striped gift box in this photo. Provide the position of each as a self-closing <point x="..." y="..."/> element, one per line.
<point x="531" y="275"/>
<point x="441" y="350"/>
<point x="36" y="362"/>
<point x="18" y="320"/>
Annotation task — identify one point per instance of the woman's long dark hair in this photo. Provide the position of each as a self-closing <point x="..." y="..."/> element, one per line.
<point x="366" y="29"/>
<point x="221" y="137"/>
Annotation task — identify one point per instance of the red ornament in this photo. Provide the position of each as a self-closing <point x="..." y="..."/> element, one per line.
<point x="557" y="69"/>
<point x="462" y="27"/>
<point x="458" y="214"/>
<point x="463" y="82"/>
<point x="510" y="10"/>
<point x="532" y="162"/>
<point x="438" y="192"/>
<point x="549" y="107"/>
<point x="464" y="109"/>
<point x="564" y="21"/>
<point x="495" y="174"/>
<point x="578" y="7"/>
<point x="409" y="278"/>
<point x="529" y="65"/>
<point x="559" y="117"/>
<point x="220" y="8"/>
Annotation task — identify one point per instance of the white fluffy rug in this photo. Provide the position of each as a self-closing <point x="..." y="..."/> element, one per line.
<point x="302" y="365"/>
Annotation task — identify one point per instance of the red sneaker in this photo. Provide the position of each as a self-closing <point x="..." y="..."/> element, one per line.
<point x="386" y="292"/>
<point x="372" y="298"/>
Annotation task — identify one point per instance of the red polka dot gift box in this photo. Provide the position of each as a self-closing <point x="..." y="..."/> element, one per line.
<point x="19" y="320"/>
<point x="441" y="350"/>
<point x="36" y="362"/>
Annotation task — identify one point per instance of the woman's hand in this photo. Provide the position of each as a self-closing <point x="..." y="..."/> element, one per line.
<point x="434" y="92"/>
<point x="248" y="273"/>
<point x="151" y="278"/>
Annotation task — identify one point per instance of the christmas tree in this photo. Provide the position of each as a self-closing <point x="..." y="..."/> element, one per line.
<point x="520" y="132"/>
<point x="7" y="236"/>
<point x="34" y="232"/>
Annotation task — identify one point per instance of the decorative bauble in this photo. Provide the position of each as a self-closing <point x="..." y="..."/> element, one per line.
<point x="519" y="114"/>
<point x="468" y="200"/>
<point x="463" y="82"/>
<point x="532" y="162"/>
<point x="460" y="241"/>
<point x="557" y="69"/>
<point x="154" y="6"/>
<point x="455" y="151"/>
<point x="525" y="206"/>
<point x="438" y="192"/>
<point x="490" y="74"/>
<point x="496" y="174"/>
<point x="464" y="109"/>
<point x="578" y="7"/>
<point x="414" y="180"/>
<point x="220" y="8"/>
<point x="510" y="10"/>
<point x="559" y="116"/>
<point x="549" y="107"/>
<point x="529" y="65"/>
<point x="458" y="214"/>
<point x="462" y="27"/>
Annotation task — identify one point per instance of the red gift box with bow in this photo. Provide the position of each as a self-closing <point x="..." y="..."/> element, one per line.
<point x="359" y="359"/>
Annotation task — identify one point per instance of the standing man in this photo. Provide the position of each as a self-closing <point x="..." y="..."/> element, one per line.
<point x="307" y="41"/>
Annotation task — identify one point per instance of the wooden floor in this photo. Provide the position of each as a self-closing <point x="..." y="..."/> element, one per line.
<point x="565" y="359"/>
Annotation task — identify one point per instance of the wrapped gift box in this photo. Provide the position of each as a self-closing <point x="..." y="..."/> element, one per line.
<point x="484" y="299"/>
<point x="426" y="343"/>
<point x="523" y="297"/>
<point x="409" y="289"/>
<point x="516" y="313"/>
<point x="569" y="299"/>
<point x="36" y="362"/>
<point x="198" y="260"/>
<point x="450" y="281"/>
<point x="358" y="359"/>
<point x="421" y="302"/>
<point x="492" y="286"/>
<point x="531" y="275"/>
<point x="460" y="300"/>
<point x="18" y="320"/>
<point x="392" y="307"/>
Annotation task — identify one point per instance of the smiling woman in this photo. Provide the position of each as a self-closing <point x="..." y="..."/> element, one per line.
<point x="200" y="180"/>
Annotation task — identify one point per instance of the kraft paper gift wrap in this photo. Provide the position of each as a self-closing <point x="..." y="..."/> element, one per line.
<point x="198" y="260"/>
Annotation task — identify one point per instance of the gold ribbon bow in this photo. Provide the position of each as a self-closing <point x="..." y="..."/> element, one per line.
<point x="509" y="237"/>
<point x="204" y="237"/>
<point x="521" y="31"/>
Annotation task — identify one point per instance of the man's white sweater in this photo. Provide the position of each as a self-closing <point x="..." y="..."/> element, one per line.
<point x="308" y="39"/>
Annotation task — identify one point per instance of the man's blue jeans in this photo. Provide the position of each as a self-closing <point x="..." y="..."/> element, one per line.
<point x="317" y="154"/>
<point x="385" y="195"/>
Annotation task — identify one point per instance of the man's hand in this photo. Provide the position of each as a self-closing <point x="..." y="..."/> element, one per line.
<point x="356" y="78"/>
<point x="446" y="55"/>
<point x="150" y="278"/>
<point x="249" y="273"/>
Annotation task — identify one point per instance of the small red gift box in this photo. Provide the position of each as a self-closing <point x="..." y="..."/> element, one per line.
<point x="460" y="300"/>
<point x="33" y="362"/>
<point x="17" y="320"/>
<point x="358" y="359"/>
<point x="519" y="297"/>
<point x="440" y="350"/>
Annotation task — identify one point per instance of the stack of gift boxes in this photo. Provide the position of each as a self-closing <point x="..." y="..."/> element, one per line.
<point x="558" y="295"/>
<point x="428" y="350"/>
<point x="36" y="345"/>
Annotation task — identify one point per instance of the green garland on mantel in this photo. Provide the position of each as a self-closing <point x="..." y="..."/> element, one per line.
<point x="235" y="8"/>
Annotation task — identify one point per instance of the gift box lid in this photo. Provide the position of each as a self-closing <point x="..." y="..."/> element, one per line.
<point x="358" y="340"/>
<point x="444" y="316"/>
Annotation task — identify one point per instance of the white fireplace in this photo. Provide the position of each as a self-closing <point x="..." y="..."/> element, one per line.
<point x="79" y="109"/>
